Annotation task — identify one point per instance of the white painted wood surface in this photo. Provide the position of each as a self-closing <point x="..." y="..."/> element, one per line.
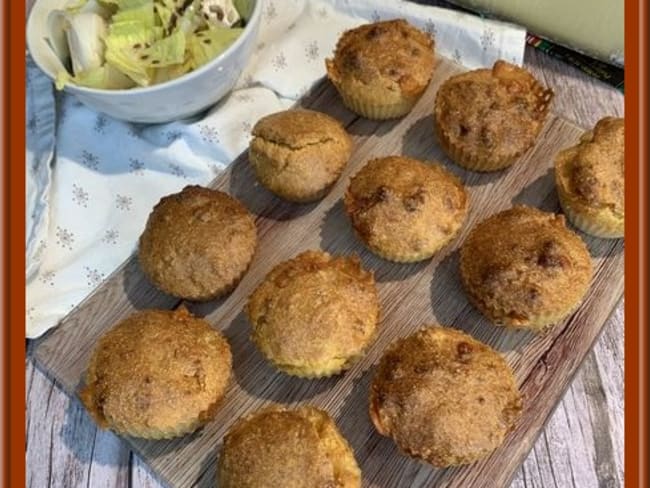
<point x="581" y="446"/>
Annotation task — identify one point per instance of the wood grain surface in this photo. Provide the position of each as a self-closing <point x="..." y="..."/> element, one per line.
<point x="412" y="295"/>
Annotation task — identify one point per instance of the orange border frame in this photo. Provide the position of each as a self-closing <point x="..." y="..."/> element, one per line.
<point x="636" y="264"/>
<point x="14" y="234"/>
<point x="636" y="243"/>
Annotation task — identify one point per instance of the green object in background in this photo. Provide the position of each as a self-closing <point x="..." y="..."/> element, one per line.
<point x="593" y="27"/>
<point x="608" y="68"/>
<point x="612" y="75"/>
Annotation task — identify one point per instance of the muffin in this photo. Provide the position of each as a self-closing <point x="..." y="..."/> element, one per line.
<point x="485" y="119"/>
<point x="382" y="69"/>
<point x="299" y="154"/>
<point x="444" y="397"/>
<point x="523" y="268"/>
<point x="590" y="180"/>
<point x="278" y="447"/>
<point x="157" y="374"/>
<point x="315" y="314"/>
<point x="197" y="243"/>
<point x="405" y="210"/>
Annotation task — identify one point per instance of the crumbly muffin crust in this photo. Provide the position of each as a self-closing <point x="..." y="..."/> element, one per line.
<point x="157" y="374"/>
<point x="299" y="448"/>
<point x="299" y="154"/>
<point x="590" y="180"/>
<point x="404" y="209"/>
<point x="315" y="314"/>
<point x="485" y="119"/>
<point x="444" y="397"/>
<point x="382" y="69"/>
<point x="523" y="268"/>
<point x="197" y="243"/>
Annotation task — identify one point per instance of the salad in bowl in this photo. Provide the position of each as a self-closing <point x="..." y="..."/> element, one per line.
<point x="144" y="60"/>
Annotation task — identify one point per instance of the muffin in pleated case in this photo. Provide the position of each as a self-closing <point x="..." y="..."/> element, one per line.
<point x="288" y="448"/>
<point x="444" y="397"/>
<point x="524" y="268"/>
<point x="405" y="210"/>
<point x="487" y="118"/>
<point x="157" y="374"/>
<point x="314" y="315"/>
<point x="299" y="154"/>
<point x="590" y="180"/>
<point x="382" y="69"/>
<point x="197" y="244"/>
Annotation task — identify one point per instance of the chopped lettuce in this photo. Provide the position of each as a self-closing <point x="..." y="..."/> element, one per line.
<point x="124" y="42"/>
<point x="165" y="52"/>
<point x="206" y="45"/>
<point x="105" y="77"/>
<point x="143" y="13"/>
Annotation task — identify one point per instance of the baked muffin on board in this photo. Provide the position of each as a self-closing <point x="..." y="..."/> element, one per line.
<point x="523" y="268"/>
<point x="444" y="397"/>
<point x="197" y="243"/>
<point x="277" y="447"/>
<point x="314" y="315"/>
<point x="299" y="154"/>
<point x="382" y="69"/>
<point x="590" y="180"/>
<point x="157" y="374"/>
<point x="487" y="118"/>
<point x="405" y="210"/>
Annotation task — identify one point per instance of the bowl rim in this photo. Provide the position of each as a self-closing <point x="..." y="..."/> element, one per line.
<point x="254" y="19"/>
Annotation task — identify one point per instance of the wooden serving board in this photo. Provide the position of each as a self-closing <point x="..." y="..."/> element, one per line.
<point x="411" y="296"/>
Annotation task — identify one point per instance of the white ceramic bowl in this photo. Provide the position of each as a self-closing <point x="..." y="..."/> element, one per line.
<point x="172" y="100"/>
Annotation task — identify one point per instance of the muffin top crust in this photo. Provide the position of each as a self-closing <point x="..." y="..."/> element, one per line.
<point x="157" y="374"/>
<point x="405" y="209"/>
<point x="492" y="113"/>
<point x="298" y="154"/>
<point x="593" y="171"/>
<point x="314" y="314"/>
<point x="444" y="397"/>
<point x="197" y="243"/>
<point x="275" y="447"/>
<point x="524" y="268"/>
<point x="393" y="52"/>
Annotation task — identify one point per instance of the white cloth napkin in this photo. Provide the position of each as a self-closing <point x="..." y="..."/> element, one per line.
<point x="88" y="205"/>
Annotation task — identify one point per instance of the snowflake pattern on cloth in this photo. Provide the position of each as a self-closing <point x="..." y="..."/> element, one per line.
<point x="108" y="174"/>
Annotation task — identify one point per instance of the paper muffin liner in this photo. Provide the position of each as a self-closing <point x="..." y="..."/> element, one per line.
<point x="405" y="257"/>
<point x="322" y="370"/>
<point x="472" y="161"/>
<point x="142" y="431"/>
<point x="590" y="222"/>
<point x="537" y="323"/>
<point x="377" y="111"/>
<point x="315" y="371"/>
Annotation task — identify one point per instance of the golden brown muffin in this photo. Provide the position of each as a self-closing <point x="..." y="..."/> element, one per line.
<point x="299" y="154"/>
<point x="444" y="397"/>
<point x="405" y="210"/>
<point x="382" y="69"/>
<point x="485" y="119"/>
<point x="590" y="180"/>
<point x="197" y="244"/>
<point x="277" y="447"/>
<point x="523" y="268"/>
<point x="157" y="374"/>
<point x="315" y="314"/>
